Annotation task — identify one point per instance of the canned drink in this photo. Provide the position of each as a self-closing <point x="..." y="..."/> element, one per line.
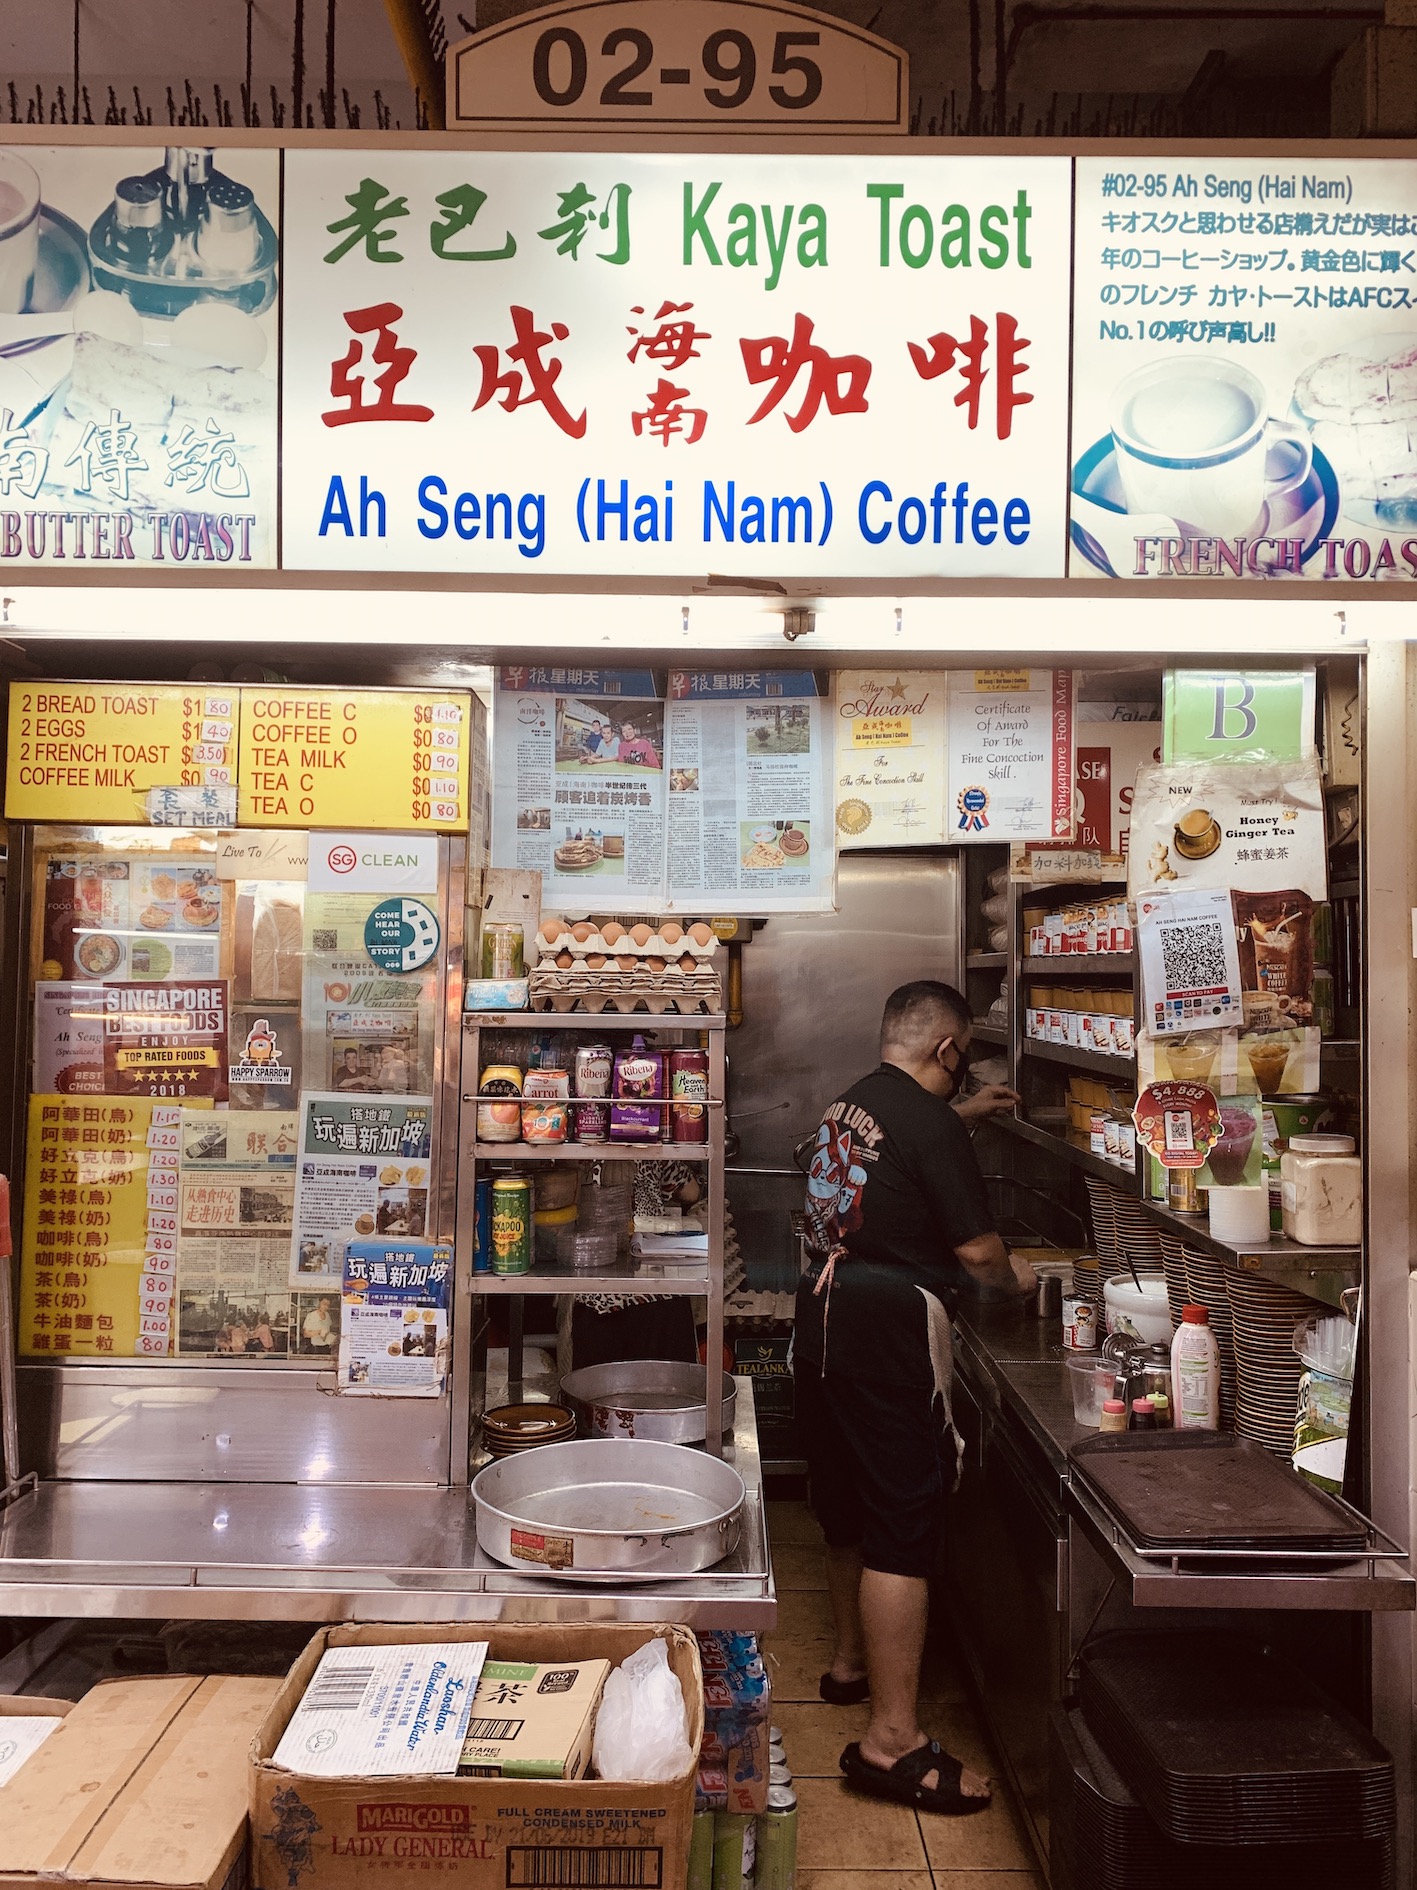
<point x="1181" y="1191"/>
<point x="511" y="1225"/>
<point x="593" y="1066"/>
<point x="777" y="1841"/>
<point x="700" y="1875"/>
<point x="778" y="1772"/>
<point x="590" y="1120"/>
<point x="499" y="1112"/>
<point x="482" y="1225"/>
<point x="1079" y="1323"/>
<point x="735" y="1850"/>
<point x="503" y="950"/>
<point x="688" y="1089"/>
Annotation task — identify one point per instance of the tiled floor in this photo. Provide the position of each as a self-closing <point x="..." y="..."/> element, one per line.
<point x="843" y="1839"/>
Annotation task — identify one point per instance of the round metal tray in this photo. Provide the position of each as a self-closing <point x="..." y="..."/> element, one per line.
<point x="658" y="1399"/>
<point x="612" y="1506"/>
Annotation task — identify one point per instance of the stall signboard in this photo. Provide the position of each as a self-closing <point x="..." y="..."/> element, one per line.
<point x="653" y="364"/>
<point x="890" y="755"/>
<point x="1010" y="755"/>
<point x="1244" y="368"/>
<point x="139" y="429"/>
<point x="376" y="759"/>
<point x="736" y="66"/>
<point x="92" y="752"/>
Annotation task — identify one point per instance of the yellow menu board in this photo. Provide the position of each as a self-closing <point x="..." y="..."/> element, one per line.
<point x="90" y="752"/>
<point x="99" y="1255"/>
<point x="390" y="760"/>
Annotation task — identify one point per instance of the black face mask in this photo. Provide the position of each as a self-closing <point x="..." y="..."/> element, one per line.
<point x="959" y="1071"/>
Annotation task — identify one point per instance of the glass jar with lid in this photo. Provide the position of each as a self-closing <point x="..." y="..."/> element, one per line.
<point x="1321" y="1188"/>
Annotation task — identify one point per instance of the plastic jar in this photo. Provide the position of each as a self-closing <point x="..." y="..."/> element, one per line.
<point x="1321" y="1191"/>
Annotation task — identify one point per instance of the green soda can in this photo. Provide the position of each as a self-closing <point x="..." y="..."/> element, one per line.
<point x="701" y="1853"/>
<point x="777" y="1841"/>
<point x="734" y="1849"/>
<point x="511" y="1225"/>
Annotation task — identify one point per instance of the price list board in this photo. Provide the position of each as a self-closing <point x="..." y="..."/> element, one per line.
<point x="92" y="752"/>
<point x="370" y="759"/>
<point x="101" y="1227"/>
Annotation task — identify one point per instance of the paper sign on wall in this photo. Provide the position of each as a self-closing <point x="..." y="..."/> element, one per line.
<point x="890" y="752"/>
<point x="1010" y="752"/>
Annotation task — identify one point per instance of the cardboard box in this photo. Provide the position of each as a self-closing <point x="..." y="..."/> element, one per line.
<point x="21" y="1707"/>
<point x="533" y="1720"/>
<point x="143" y="1785"/>
<point x="484" y="1833"/>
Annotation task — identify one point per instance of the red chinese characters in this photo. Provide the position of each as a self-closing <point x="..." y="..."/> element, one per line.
<point x="838" y="380"/>
<point x="941" y="351"/>
<point x="387" y="353"/>
<point x="533" y="379"/>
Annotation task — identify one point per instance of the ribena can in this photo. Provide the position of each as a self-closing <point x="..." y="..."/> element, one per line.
<point x="590" y="1120"/>
<point x="688" y="1090"/>
<point x="594" y="1064"/>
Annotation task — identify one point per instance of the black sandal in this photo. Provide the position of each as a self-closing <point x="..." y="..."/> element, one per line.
<point x="843" y="1692"/>
<point x="902" y="1782"/>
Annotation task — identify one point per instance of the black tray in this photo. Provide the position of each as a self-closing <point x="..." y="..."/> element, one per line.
<point x="1210" y="1489"/>
<point x="1100" y="1837"/>
<point x="1224" y="1744"/>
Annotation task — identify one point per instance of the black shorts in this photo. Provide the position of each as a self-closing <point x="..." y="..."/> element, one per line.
<point x="880" y="1466"/>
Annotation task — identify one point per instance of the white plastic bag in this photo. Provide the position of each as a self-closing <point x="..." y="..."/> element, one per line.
<point x="640" y="1731"/>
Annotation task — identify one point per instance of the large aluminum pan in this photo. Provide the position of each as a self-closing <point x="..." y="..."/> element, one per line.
<point x="660" y="1399"/>
<point x="609" y="1506"/>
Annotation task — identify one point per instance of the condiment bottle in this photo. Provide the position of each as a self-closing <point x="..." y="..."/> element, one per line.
<point x="1195" y="1372"/>
<point x="1143" y="1416"/>
<point x="1321" y="1191"/>
<point x="1161" y="1405"/>
<point x="1114" y="1415"/>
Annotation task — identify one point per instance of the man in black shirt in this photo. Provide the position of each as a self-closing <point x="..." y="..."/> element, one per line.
<point x="898" y="1222"/>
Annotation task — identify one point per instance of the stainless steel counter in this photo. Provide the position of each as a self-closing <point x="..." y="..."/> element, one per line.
<point x="260" y="1551"/>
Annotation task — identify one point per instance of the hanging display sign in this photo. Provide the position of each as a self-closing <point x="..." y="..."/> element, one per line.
<point x="890" y="748"/>
<point x="1010" y="755"/>
<point x="1212" y="714"/>
<point x="1227" y="824"/>
<point x="138" y="420"/>
<point x="663" y="364"/>
<point x="736" y="65"/>
<point x="1242" y="360"/>
<point x="92" y="752"/>
<point x="369" y="758"/>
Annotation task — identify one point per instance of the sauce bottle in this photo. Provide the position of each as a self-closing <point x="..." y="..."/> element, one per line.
<point x="1114" y="1415"/>
<point x="1143" y="1415"/>
<point x="1195" y="1373"/>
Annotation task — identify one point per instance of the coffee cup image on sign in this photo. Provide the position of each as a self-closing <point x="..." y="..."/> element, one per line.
<point x="1197" y="834"/>
<point x="1194" y="442"/>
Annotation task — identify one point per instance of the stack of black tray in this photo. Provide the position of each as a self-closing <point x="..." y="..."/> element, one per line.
<point x="1180" y="1490"/>
<point x="1100" y="1837"/>
<point x="1200" y="1758"/>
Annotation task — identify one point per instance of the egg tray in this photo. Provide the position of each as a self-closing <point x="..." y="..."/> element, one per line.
<point x="653" y="947"/>
<point x="626" y="991"/>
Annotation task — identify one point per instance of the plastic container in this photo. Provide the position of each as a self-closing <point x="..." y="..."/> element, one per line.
<point x="1091" y="1381"/>
<point x="1195" y="1373"/>
<point x="1321" y="1191"/>
<point x="1240" y="1214"/>
<point x="586" y="1251"/>
<point x="1141" y="1311"/>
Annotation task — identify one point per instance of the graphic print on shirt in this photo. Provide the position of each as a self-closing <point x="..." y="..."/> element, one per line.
<point x="834" y="1184"/>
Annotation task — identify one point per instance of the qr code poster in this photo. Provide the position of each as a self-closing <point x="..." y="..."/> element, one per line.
<point x="1189" y="959"/>
<point x="1237" y="825"/>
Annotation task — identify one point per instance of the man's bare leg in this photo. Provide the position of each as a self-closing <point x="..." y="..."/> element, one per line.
<point x="844" y="1586"/>
<point x="893" y="1612"/>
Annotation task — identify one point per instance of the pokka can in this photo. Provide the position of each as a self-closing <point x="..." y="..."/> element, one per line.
<point x="511" y="1225"/>
<point x="688" y="1090"/>
<point x="701" y="1853"/>
<point x="734" y="1850"/>
<point x="777" y="1841"/>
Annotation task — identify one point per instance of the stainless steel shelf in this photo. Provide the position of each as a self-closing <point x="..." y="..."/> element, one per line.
<point x="1079" y="964"/>
<point x="1100" y="1062"/>
<point x="306" y="1552"/>
<point x="986" y="961"/>
<point x="1123" y="1179"/>
<point x="557" y="1279"/>
<point x="642" y="1021"/>
<point x="988" y="1033"/>
<point x="589" y="1151"/>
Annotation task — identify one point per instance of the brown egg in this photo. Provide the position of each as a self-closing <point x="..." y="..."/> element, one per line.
<point x="581" y="932"/>
<point x="688" y="962"/>
<point x="612" y="932"/>
<point x="670" y="932"/>
<point x="565" y="960"/>
<point x="701" y="934"/>
<point x="627" y="961"/>
<point x="653" y="964"/>
<point x="551" y="929"/>
<point x="595" y="961"/>
<point x="641" y="934"/>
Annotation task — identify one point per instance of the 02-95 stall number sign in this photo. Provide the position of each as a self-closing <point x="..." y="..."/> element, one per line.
<point x="736" y="64"/>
